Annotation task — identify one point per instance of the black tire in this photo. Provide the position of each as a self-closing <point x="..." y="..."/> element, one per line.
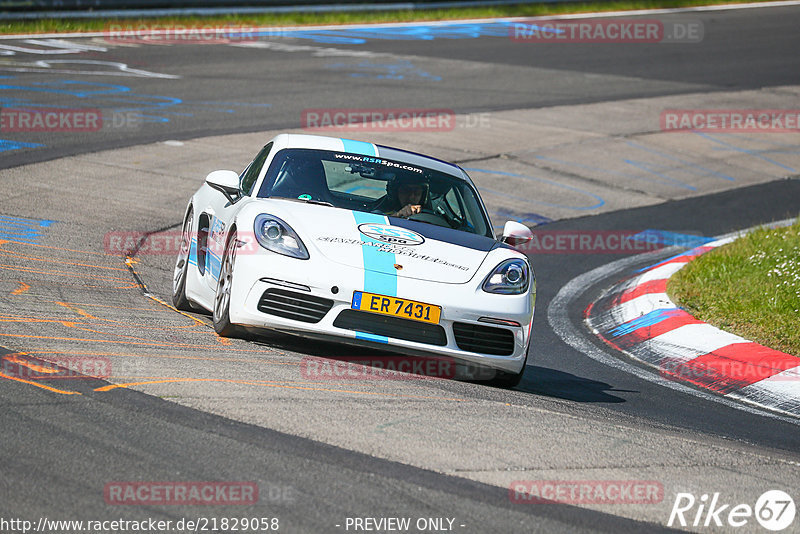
<point x="179" y="299"/>
<point x="222" y="299"/>
<point x="503" y="379"/>
<point x="506" y="380"/>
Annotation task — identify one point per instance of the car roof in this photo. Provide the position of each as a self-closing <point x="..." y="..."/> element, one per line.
<point x="339" y="144"/>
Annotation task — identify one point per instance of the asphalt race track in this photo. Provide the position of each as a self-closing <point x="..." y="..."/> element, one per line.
<point x="562" y="135"/>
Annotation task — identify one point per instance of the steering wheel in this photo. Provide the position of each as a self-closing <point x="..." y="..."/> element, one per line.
<point x="430" y="218"/>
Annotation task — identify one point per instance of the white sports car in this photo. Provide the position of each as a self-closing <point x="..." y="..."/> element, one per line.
<point x="360" y="243"/>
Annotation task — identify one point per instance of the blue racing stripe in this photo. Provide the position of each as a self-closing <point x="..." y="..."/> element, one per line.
<point x="359" y="147"/>
<point x="372" y="337"/>
<point x="213" y="264"/>
<point x="380" y="275"/>
<point x="376" y="262"/>
<point x="193" y="252"/>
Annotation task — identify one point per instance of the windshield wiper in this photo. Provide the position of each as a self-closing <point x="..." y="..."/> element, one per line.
<point x="307" y="201"/>
<point x="317" y="202"/>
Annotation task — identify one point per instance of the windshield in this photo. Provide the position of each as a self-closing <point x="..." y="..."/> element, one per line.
<point x="375" y="185"/>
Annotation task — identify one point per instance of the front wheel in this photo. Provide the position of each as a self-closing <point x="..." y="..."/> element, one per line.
<point x="504" y="379"/>
<point x="222" y="298"/>
<point x="179" y="299"/>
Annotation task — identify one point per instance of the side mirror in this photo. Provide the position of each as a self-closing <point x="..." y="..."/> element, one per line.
<point x="516" y="234"/>
<point x="227" y="182"/>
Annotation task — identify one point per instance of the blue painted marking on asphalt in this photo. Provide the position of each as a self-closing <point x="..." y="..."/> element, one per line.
<point x="592" y="168"/>
<point x="688" y="252"/>
<point x="671" y="239"/>
<point x="755" y="153"/>
<point x="6" y="145"/>
<point x="59" y="87"/>
<point x="649" y="319"/>
<point x="117" y="98"/>
<point x="793" y="148"/>
<point x="360" y="147"/>
<point x="410" y="32"/>
<point x="23" y="229"/>
<point x="689" y="164"/>
<point x="394" y="71"/>
<point x="235" y="104"/>
<point x="508" y="215"/>
<point x="647" y="168"/>
<point x="600" y="201"/>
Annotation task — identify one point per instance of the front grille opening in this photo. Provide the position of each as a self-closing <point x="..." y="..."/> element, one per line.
<point x="396" y="327"/>
<point x="484" y="339"/>
<point x="292" y="305"/>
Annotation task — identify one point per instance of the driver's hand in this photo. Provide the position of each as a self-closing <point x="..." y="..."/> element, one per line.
<point x="409" y="210"/>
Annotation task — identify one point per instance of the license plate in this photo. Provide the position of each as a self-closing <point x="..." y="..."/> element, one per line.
<point x="396" y="307"/>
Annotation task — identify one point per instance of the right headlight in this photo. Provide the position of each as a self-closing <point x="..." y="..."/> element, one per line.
<point x="275" y="235"/>
<point x="510" y="278"/>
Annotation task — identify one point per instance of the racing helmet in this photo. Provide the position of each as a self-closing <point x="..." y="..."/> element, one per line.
<point x="407" y="180"/>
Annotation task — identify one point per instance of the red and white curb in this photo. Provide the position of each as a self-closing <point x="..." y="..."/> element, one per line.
<point x="638" y="318"/>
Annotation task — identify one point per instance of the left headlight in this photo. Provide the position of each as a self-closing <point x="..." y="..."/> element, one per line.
<point x="510" y="278"/>
<point x="275" y="235"/>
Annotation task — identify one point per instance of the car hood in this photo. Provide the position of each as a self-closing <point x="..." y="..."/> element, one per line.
<point x="389" y="245"/>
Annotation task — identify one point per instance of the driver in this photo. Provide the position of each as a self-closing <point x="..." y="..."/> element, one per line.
<point x="405" y="196"/>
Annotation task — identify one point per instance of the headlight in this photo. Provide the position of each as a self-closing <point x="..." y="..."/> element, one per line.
<point x="275" y="235"/>
<point x="510" y="277"/>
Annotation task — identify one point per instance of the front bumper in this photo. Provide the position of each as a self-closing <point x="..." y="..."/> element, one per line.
<point x="462" y="304"/>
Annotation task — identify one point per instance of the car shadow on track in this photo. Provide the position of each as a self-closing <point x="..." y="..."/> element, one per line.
<point x="537" y="380"/>
<point x="561" y="385"/>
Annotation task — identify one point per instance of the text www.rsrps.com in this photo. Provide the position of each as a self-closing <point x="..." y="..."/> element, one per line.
<point x="141" y="526"/>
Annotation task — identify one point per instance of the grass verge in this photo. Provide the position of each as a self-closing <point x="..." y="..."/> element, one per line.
<point x="50" y="25"/>
<point x="750" y="287"/>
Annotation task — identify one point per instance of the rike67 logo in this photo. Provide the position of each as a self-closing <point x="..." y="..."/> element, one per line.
<point x="774" y="510"/>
